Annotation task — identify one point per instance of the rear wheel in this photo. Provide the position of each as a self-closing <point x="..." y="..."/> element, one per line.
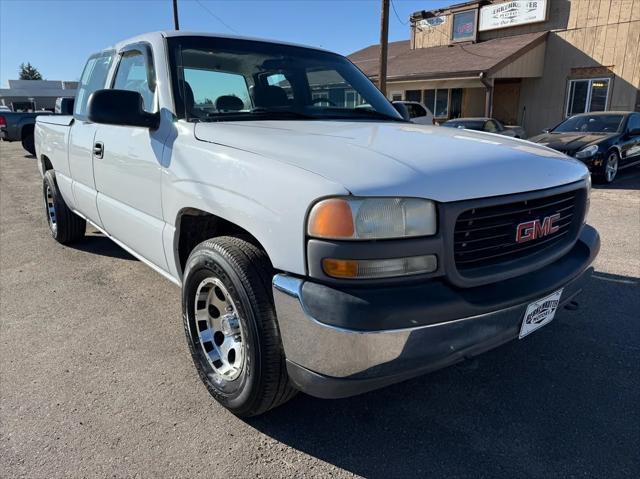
<point x="64" y="225"/>
<point x="231" y="326"/>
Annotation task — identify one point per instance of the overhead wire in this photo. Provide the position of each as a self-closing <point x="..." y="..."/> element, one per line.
<point x="217" y="17"/>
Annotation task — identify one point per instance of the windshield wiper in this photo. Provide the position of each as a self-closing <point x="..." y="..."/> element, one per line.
<point x="375" y="114"/>
<point x="255" y="114"/>
<point x="281" y="113"/>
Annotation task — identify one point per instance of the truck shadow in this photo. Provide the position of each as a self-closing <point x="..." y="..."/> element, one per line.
<point x="96" y="243"/>
<point x="542" y="407"/>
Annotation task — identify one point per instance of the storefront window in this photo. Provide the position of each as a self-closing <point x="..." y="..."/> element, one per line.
<point x="442" y="103"/>
<point x="438" y="102"/>
<point x="456" y="103"/>
<point x="587" y="95"/>
<point x="413" y="95"/>
<point x="430" y="100"/>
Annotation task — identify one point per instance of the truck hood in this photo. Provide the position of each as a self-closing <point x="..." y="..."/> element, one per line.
<point x="400" y="159"/>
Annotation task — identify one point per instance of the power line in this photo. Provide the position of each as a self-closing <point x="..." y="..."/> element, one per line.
<point x="396" y="12"/>
<point x="217" y="17"/>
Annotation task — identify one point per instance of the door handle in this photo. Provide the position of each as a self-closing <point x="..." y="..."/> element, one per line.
<point x="98" y="149"/>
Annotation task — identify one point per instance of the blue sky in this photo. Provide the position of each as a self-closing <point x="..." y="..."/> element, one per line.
<point x="57" y="36"/>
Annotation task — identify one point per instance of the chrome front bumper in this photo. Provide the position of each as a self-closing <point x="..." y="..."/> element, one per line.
<point x="329" y="361"/>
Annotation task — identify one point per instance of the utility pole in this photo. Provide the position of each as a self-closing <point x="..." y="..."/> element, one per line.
<point x="175" y="14"/>
<point x="384" y="41"/>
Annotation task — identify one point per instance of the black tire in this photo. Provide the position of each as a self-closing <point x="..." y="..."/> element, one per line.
<point x="602" y="176"/>
<point x="245" y="272"/>
<point x="64" y="225"/>
<point x="28" y="142"/>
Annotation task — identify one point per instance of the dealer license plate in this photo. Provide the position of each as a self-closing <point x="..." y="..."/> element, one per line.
<point x="539" y="313"/>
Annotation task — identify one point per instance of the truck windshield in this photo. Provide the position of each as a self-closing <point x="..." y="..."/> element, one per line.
<point x="590" y="124"/>
<point x="216" y="79"/>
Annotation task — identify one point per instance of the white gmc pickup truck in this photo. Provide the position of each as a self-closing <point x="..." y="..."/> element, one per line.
<point x="322" y="242"/>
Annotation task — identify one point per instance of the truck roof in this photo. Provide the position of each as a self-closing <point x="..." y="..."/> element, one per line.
<point x="151" y="36"/>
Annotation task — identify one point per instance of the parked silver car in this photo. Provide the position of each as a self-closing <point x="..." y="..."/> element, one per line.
<point x="418" y="113"/>
<point x="490" y="125"/>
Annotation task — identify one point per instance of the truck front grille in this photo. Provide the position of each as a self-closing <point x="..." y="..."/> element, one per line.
<point x="485" y="237"/>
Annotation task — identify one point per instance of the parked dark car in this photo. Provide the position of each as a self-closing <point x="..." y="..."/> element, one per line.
<point x="490" y="125"/>
<point x="604" y="141"/>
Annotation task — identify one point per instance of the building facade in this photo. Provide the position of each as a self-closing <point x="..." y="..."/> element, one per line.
<point x="530" y="62"/>
<point x="31" y="95"/>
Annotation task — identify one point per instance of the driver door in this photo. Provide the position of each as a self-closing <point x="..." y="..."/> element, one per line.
<point x="128" y="169"/>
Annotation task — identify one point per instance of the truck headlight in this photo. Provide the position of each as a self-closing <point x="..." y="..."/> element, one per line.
<point x="372" y="218"/>
<point x="587" y="152"/>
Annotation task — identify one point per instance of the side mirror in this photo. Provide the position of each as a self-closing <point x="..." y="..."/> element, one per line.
<point x="546" y="130"/>
<point x="120" y="107"/>
<point x="634" y="132"/>
<point x="402" y="109"/>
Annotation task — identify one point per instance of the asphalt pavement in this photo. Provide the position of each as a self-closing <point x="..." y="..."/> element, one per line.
<point x="96" y="379"/>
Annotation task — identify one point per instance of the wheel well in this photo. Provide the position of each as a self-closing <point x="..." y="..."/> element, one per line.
<point x="46" y="164"/>
<point x="616" y="149"/>
<point x="26" y="129"/>
<point x="195" y="226"/>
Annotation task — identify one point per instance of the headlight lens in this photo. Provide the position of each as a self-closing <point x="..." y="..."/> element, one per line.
<point x="372" y="218"/>
<point x="587" y="152"/>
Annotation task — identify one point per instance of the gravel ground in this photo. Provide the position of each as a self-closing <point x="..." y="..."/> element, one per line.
<point x="96" y="379"/>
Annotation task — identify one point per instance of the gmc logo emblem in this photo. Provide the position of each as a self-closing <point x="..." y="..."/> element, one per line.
<point x="530" y="230"/>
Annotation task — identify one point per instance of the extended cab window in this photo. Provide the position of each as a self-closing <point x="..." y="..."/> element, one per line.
<point x="134" y="75"/>
<point x="94" y="77"/>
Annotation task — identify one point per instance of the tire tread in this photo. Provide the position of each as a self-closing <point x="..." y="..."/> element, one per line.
<point x="253" y="268"/>
<point x="71" y="227"/>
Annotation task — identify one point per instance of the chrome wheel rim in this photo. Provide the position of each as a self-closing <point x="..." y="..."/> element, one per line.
<point x="50" y="209"/>
<point x="219" y="330"/>
<point x="612" y="167"/>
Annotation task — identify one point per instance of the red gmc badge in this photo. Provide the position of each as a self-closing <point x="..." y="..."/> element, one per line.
<point x="530" y="230"/>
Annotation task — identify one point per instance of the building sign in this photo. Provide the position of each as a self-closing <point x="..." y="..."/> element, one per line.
<point x="512" y="13"/>
<point x="432" y="22"/>
<point x="464" y="26"/>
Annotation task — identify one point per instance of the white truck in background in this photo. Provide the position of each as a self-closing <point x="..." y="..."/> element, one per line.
<point x="319" y="246"/>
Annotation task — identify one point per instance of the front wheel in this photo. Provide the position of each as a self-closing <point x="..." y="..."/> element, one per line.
<point x="231" y="326"/>
<point x="609" y="168"/>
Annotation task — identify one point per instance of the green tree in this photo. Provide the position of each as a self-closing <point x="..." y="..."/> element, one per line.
<point x="29" y="72"/>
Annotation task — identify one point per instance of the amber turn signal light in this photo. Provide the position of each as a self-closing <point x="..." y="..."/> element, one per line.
<point x="340" y="268"/>
<point x="379" y="268"/>
<point x="331" y="218"/>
